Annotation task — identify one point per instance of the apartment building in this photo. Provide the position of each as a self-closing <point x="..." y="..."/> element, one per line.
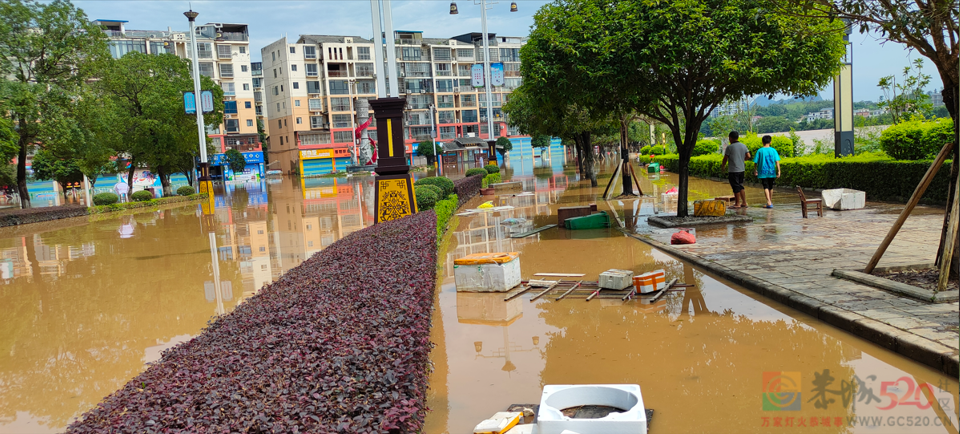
<point x="312" y="85"/>
<point x="223" y="54"/>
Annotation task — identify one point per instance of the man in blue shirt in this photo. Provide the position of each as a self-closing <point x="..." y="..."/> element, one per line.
<point x="767" y="168"/>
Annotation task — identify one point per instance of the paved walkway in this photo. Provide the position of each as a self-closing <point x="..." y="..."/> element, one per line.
<point x="790" y="259"/>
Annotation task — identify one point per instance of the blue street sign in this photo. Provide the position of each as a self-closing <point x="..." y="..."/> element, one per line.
<point x="189" y="103"/>
<point x="206" y="101"/>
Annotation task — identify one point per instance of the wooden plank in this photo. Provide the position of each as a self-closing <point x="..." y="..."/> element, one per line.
<point x="664" y="291"/>
<point x="629" y="295"/>
<point x="917" y="194"/>
<point x="575" y="286"/>
<point x="513" y="295"/>
<point x="528" y="233"/>
<point x="612" y="180"/>
<point x="540" y="294"/>
<point x="635" y="180"/>
<point x="542" y="283"/>
<point x="947" y="258"/>
<point x="560" y="274"/>
<point x="590" y="297"/>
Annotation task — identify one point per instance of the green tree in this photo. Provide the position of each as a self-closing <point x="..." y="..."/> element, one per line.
<point x="47" y="166"/>
<point x="503" y="146"/>
<point x="235" y="160"/>
<point x="425" y="148"/>
<point x="911" y="103"/>
<point x="147" y="107"/>
<point x="47" y="50"/>
<point x="675" y="61"/>
<point x="540" y="141"/>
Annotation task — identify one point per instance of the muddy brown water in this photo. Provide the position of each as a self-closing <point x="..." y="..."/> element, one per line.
<point x="86" y="303"/>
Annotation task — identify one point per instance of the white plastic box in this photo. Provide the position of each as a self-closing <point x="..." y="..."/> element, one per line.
<point x="616" y="279"/>
<point x="555" y="398"/>
<point x="487" y="272"/>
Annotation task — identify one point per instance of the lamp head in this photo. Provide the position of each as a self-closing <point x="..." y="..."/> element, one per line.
<point x="513" y="6"/>
<point x="453" y="8"/>
<point x="191" y="15"/>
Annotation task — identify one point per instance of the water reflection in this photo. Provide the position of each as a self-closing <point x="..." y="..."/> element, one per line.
<point x="699" y="354"/>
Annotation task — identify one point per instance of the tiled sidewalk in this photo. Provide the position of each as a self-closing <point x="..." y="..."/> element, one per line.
<point x="789" y="259"/>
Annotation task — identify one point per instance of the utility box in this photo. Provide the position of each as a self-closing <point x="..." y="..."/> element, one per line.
<point x="616" y="279"/>
<point x="844" y="199"/>
<point x="487" y="272"/>
<point x="593" y="221"/>
<point x="568" y="212"/>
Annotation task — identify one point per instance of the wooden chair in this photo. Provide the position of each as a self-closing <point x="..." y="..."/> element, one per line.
<point x="817" y="203"/>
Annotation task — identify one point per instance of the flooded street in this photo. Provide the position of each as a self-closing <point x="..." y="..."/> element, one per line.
<point x="88" y="302"/>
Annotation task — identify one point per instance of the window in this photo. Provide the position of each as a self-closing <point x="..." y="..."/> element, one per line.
<point x="463" y="70"/>
<point x="441" y="54"/>
<point x="339" y="87"/>
<point x="309" y="52"/>
<point x="281" y="144"/>
<point x="243" y="68"/>
<point x="468" y="116"/>
<point x="257" y="82"/>
<point x="299" y="121"/>
<point x="315" y="104"/>
<point x="229" y="107"/>
<point x="160" y="48"/>
<point x="364" y="70"/>
<point x="243" y="50"/>
<point x="273" y="55"/>
<point x="313" y="87"/>
<point x="366" y="86"/>
<point x="206" y="68"/>
<point x="443" y="69"/>
<point x="293" y="68"/>
<point x="276" y="93"/>
<point x="249" y="122"/>
<point x="246" y="86"/>
<point x="293" y="50"/>
<point x="223" y="51"/>
<point x="311" y="69"/>
<point x="444" y="85"/>
<point x="448" y="132"/>
<point x="246" y="104"/>
<point x="340" y="104"/>
<point x="296" y="85"/>
<point x="411" y="53"/>
<point x="280" y="125"/>
<point x="204" y="50"/>
<point x="278" y="109"/>
<point x="363" y="53"/>
<point x="296" y="103"/>
<point x="343" y="137"/>
<point x="229" y="89"/>
<point x="316" y="122"/>
<point x="281" y="88"/>
<point x="233" y="125"/>
<point x="342" y="121"/>
<point x="445" y="101"/>
<point x="274" y="72"/>
<point x="226" y="70"/>
<point x="446" y="117"/>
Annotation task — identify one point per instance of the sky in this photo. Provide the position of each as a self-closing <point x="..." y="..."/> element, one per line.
<point x="272" y="20"/>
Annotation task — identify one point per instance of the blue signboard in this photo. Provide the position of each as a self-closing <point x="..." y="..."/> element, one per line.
<point x="206" y="101"/>
<point x="250" y="157"/>
<point x="189" y="103"/>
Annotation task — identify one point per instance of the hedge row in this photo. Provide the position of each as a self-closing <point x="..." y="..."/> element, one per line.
<point x="881" y="177"/>
<point x="337" y="344"/>
<point x="99" y="209"/>
<point x="445" y="209"/>
<point x="493" y="178"/>
<point x="467" y="188"/>
<point x="16" y="217"/>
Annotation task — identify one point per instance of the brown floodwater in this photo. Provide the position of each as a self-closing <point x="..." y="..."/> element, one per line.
<point x="702" y="357"/>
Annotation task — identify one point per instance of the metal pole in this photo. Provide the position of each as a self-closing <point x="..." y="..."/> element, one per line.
<point x="378" y="49"/>
<point x="201" y="133"/>
<point x="391" y="50"/>
<point x="486" y="69"/>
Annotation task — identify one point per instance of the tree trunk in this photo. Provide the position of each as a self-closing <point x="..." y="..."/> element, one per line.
<point x="24" y="142"/>
<point x="588" y="160"/>
<point x="130" y="172"/>
<point x="165" y="182"/>
<point x="950" y="100"/>
<point x="683" y="183"/>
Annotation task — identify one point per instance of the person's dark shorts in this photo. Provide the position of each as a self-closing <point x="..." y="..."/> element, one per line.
<point x="767" y="183"/>
<point x="736" y="181"/>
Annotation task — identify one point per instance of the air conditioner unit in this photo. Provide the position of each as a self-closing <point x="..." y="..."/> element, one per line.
<point x="179" y="37"/>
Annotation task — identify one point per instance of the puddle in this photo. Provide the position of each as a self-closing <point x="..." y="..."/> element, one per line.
<point x="703" y="357"/>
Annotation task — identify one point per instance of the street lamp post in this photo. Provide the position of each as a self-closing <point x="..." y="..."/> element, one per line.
<point x="205" y="184"/>
<point x="486" y="59"/>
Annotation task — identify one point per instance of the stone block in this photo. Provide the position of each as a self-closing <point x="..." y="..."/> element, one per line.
<point x="844" y="199"/>
<point x="923" y="350"/>
<point x="838" y="317"/>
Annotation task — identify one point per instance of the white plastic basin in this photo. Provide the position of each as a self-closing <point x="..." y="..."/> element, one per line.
<point x="633" y="420"/>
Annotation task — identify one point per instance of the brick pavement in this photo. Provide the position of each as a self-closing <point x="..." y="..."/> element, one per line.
<point x="790" y="259"/>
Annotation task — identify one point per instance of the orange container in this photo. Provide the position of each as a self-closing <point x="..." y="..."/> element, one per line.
<point x="650" y="282"/>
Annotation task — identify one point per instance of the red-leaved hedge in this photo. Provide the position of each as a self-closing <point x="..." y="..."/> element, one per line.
<point x="338" y="344"/>
<point x="35" y="215"/>
<point x="467" y="188"/>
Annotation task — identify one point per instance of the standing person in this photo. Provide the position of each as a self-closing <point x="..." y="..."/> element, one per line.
<point x="121" y="189"/>
<point x="767" y="168"/>
<point x="735" y="154"/>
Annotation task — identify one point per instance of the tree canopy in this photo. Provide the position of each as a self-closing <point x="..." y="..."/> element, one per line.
<point x="235" y="160"/>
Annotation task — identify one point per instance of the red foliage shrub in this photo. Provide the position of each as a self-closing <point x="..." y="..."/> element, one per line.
<point x="36" y="215"/>
<point x="338" y="344"/>
<point x="467" y="188"/>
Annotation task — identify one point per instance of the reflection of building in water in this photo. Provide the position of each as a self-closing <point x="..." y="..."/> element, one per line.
<point x="51" y="259"/>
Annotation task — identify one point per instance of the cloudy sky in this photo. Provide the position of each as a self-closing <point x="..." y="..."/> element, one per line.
<point x="271" y="20"/>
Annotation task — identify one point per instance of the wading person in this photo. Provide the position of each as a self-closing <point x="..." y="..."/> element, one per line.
<point x="735" y="154"/>
<point x="767" y="168"/>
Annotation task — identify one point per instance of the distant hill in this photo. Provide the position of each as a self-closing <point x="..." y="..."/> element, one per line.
<point x="763" y="101"/>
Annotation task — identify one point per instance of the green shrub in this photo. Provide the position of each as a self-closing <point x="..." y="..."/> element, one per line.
<point x="105" y="199"/>
<point x="141" y="196"/>
<point x="706" y="147"/>
<point x="653" y="150"/>
<point x="436" y="190"/>
<point x="445" y="184"/>
<point x="476" y="171"/>
<point x="492" y="168"/>
<point x="916" y="140"/>
<point x="445" y="209"/>
<point x="426" y="196"/>
<point x="783" y="145"/>
<point x="492" y="178"/>
<point x="186" y="190"/>
<point x="938" y="134"/>
<point x="881" y="177"/>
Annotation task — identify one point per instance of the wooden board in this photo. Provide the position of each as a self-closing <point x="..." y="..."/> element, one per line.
<point x="560" y="274"/>
<point x="528" y="233"/>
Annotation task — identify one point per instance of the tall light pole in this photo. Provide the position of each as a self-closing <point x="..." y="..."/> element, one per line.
<point x="204" y="182"/>
<point x="486" y="60"/>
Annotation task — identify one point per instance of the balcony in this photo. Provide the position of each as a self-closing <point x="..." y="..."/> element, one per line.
<point x="446" y="73"/>
<point x="338" y="73"/>
<point x="233" y="36"/>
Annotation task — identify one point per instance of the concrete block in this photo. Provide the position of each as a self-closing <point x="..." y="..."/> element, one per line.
<point x="922" y="350"/>
<point x="844" y="198"/>
<point x="838" y="317"/>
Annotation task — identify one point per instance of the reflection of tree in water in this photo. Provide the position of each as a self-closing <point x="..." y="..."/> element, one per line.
<point x="240" y="199"/>
<point x="697" y="368"/>
<point x="67" y="341"/>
